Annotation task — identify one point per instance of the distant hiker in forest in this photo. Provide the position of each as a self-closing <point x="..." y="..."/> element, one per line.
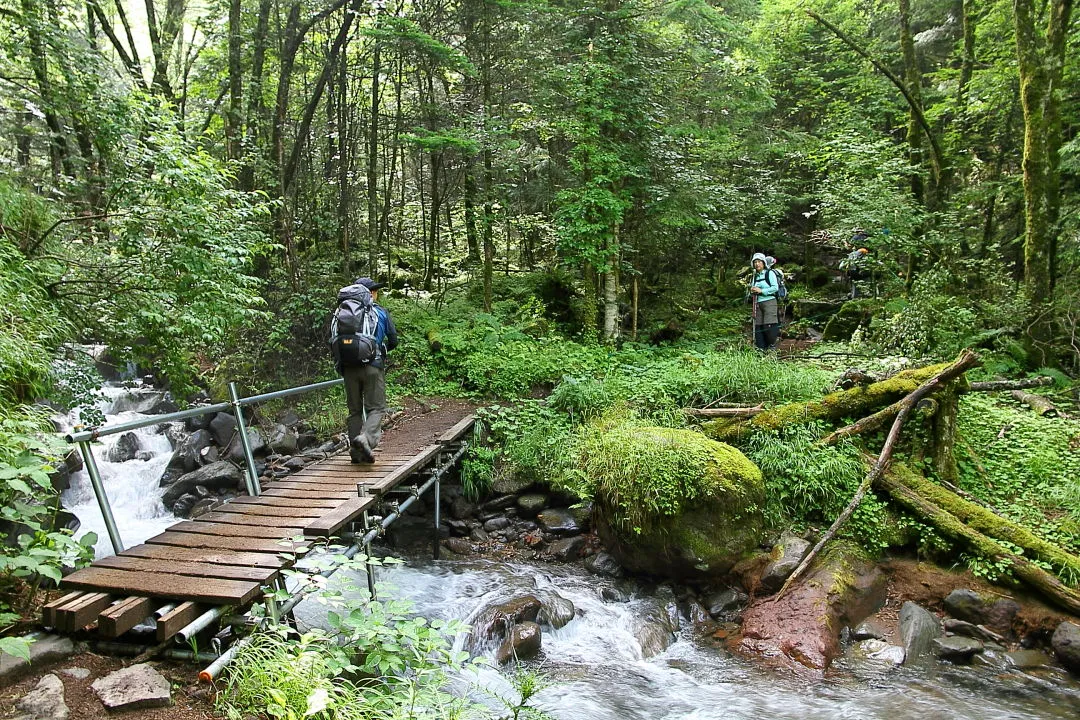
<point x="765" y="288"/>
<point x="361" y="333"/>
<point x="857" y="267"/>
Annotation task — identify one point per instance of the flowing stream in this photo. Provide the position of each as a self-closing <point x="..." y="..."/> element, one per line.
<point x="598" y="671"/>
<point x="596" y="664"/>
<point x="132" y="486"/>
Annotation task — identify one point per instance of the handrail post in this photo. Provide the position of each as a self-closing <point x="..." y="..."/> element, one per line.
<point x="253" y="488"/>
<point x="438" y="507"/>
<point x="102" y="498"/>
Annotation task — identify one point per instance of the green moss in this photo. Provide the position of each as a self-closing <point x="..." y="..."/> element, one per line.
<point x="850" y="316"/>
<point x="834" y="407"/>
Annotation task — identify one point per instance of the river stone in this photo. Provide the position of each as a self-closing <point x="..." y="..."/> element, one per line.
<point x="496" y="621"/>
<point x="479" y="535"/>
<point x="199" y="422"/>
<point x="138" y="686"/>
<point x="79" y="673"/>
<point x="216" y="475"/>
<point x="43" y="650"/>
<point x="222" y="427"/>
<point x="559" y="521"/>
<point x="918" y="628"/>
<point x="1027" y="659"/>
<point x="125" y="448"/>
<point x="532" y="504"/>
<point x="295" y="463"/>
<point x="784" y="558"/>
<point x="496" y="523"/>
<point x="653" y="637"/>
<point x="996" y="613"/>
<point x="555" y="610"/>
<point x="523" y="643"/>
<point x="567" y="549"/>
<point x="868" y="630"/>
<point x="966" y="629"/>
<point x="499" y="503"/>
<point x="843" y="587"/>
<point x="721" y="604"/>
<point x="890" y="653"/>
<point x="202" y="507"/>
<point x="283" y="440"/>
<point x="188" y="455"/>
<point x="1066" y="644"/>
<point x="235" y="451"/>
<point x="458" y="545"/>
<point x="460" y="508"/>
<point x="694" y="540"/>
<point x="603" y="564"/>
<point x="956" y="649"/>
<point x="614" y="595"/>
<point x="511" y="484"/>
<point x="44" y="702"/>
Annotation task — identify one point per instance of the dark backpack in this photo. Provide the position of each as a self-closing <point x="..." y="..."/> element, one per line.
<point x="354" y="329"/>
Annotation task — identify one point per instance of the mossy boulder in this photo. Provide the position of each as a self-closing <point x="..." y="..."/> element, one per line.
<point x="671" y="502"/>
<point x="849" y="317"/>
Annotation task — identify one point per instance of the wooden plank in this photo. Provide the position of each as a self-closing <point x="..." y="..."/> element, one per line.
<point x="333" y="521"/>
<point x="305" y="494"/>
<point x="217" y="557"/>
<point x="462" y="427"/>
<point x="287" y="524"/>
<point x="321" y="484"/>
<point x="424" y="457"/>
<point x="82" y="612"/>
<point x="181" y="567"/>
<point x="220" y="542"/>
<point x="176" y="620"/>
<point x="294" y="510"/>
<point x="164" y="585"/>
<point x="280" y="502"/>
<point x="124" y="615"/>
<point x="345" y="472"/>
<point x="230" y="530"/>
<point x="48" y="613"/>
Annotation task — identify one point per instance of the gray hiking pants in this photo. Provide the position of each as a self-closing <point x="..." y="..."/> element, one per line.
<point x="365" y="393"/>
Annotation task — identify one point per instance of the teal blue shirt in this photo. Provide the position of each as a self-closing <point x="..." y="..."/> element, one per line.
<point x="766" y="280"/>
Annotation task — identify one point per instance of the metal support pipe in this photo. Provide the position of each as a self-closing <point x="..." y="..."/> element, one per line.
<point x="435" y="536"/>
<point x="199" y="624"/>
<point x="102" y="498"/>
<point x="100" y="432"/>
<point x="252" y="477"/>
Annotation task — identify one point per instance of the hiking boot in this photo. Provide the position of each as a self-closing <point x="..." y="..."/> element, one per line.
<point x="360" y="451"/>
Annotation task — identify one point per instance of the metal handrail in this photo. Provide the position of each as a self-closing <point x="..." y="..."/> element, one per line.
<point x="83" y="438"/>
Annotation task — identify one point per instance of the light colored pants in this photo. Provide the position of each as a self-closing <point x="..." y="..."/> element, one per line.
<point x="365" y="393"/>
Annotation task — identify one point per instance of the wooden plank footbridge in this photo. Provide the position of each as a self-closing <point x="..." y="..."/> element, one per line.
<point x="188" y="577"/>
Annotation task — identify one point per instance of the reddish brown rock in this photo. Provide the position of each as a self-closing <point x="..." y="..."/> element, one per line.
<point x="804" y="625"/>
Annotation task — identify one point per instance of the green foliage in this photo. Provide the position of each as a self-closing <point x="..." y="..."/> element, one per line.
<point x="37" y="550"/>
<point x="810" y="484"/>
<point x="1023" y="465"/>
<point x="942" y="316"/>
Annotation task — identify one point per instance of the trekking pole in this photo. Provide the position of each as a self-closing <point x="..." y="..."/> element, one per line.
<point x="753" y="320"/>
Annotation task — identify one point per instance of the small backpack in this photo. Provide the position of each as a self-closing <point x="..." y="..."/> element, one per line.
<point x="781" y="288"/>
<point x="354" y="329"/>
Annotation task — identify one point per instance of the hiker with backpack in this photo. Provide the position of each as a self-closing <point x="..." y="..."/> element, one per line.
<point x="361" y="333"/>
<point x="766" y="288"/>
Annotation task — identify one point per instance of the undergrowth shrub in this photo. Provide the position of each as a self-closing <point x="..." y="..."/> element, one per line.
<point x="811" y="484"/>
<point x="1024" y="465"/>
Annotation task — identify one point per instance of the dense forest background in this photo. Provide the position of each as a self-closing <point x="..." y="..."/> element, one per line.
<point x="193" y="182"/>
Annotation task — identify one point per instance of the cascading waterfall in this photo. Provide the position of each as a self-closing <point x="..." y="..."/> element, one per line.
<point x="599" y="670"/>
<point x="132" y="485"/>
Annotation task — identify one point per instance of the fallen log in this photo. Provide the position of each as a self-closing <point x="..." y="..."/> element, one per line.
<point x="836" y="406"/>
<point x="991" y="524"/>
<point x="1000" y="385"/>
<point x="724" y="412"/>
<point x="962" y="364"/>
<point x="896" y="481"/>
<point x="1041" y="405"/>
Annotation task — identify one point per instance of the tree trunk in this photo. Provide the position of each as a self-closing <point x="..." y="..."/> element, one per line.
<point x="236" y="85"/>
<point x="254" y="124"/>
<point x="1041" y="60"/>
<point x="373" y="154"/>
